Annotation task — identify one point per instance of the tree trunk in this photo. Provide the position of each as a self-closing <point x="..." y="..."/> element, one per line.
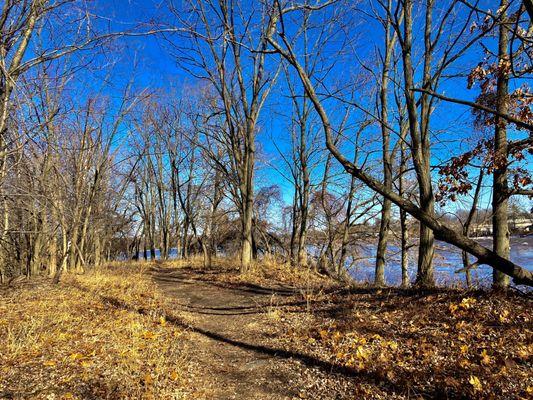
<point x="295" y="221"/>
<point x="346" y="230"/>
<point x="304" y="211"/>
<point x="52" y="250"/>
<point x="467" y="225"/>
<point x="404" y="238"/>
<point x="404" y="249"/>
<point x="426" y="248"/>
<point x="420" y="142"/>
<point x="247" y="196"/>
<point x="246" y="240"/>
<point x="306" y="184"/>
<point x="500" y="227"/>
<point x="379" y="279"/>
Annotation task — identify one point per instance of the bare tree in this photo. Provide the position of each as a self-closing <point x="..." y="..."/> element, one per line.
<point x="220" y="33"/>
<point x="426" y="218"/>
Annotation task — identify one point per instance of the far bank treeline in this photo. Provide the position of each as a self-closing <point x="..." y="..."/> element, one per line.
<point x="306" y="128"/>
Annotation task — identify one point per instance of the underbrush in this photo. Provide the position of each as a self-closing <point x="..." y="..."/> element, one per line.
<point x="85" y="338"/>
<point x="265" y="270"/>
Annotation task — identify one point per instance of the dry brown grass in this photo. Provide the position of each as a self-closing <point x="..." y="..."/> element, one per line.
<point x="197" y="262"/>
<point x="270" y="269"/>
<point x="85" y="339"/>
<point x="267" y="269"/>
<point x="264" y="270"/>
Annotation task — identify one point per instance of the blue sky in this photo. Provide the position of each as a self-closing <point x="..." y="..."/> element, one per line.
<point x="150" y="61"/>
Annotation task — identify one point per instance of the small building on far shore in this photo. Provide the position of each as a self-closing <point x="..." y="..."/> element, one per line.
<point x="519" y="225"/>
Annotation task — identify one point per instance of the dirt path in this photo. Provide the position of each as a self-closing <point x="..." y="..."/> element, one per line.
<point x="230" y="334"/>
<point x="248" y="342"/>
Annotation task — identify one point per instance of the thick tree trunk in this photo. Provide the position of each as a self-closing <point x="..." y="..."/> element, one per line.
<point x="205" y="252"/>
<point x="246" y="240"/>
<point x="52" y="250"/>
<point x="420" y="142"/>
<point x="62" y="265"/>
<point x="500" y="227"/>
<point x="426" y="247"/>
<point x="72" y="255"/>
<point x="247" y="196"/>
<point x="379" y="279"/>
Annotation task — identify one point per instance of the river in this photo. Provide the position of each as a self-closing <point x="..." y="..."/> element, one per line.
<point x="447" y="260"/>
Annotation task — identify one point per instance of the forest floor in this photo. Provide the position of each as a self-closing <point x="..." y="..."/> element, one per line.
<point x="171" y="331"/>
<point x="284" y="336"/>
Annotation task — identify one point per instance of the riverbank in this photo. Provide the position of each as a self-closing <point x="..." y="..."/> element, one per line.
<point x="271" y="334"/>
<point x="176" y="330"/>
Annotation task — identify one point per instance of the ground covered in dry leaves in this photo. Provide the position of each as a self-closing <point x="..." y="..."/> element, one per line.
<point x="73" y="341"/>
<point x="433" y="345"/>
<point x="364" y="343"/>
<point x="175" y="330"/>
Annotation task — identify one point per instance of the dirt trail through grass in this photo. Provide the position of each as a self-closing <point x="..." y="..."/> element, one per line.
<point x="258" y="342"/>
<point x="230" y="336"/>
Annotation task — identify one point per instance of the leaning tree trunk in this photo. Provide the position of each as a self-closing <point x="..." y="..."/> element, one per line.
<point x="442" y="232"/>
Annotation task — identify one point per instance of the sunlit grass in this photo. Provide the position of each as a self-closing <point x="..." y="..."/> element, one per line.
<point x="73" y="341"/>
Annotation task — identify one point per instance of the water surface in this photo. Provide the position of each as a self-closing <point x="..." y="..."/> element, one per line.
<point x="447" y="260"/>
